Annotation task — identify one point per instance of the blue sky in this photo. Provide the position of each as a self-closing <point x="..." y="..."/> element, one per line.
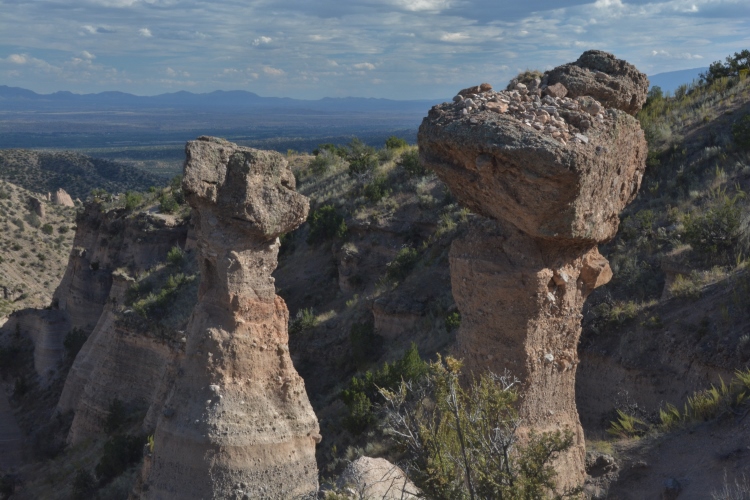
<point x="398" y="49"/>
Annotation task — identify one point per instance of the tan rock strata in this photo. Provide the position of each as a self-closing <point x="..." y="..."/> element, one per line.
<point x="554" y="193"/>
<point x="238" y="422"/>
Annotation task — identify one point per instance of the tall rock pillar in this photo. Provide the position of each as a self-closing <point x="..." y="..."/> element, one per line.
<point x="238" y="422"/>
<point x="551" y="174"/>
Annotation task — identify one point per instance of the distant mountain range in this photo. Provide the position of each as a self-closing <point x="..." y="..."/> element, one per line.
<point x="669" y="81"/>
<point x="15" y="98"/>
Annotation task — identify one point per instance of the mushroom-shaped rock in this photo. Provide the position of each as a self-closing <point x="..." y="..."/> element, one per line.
<point x="552" y="174"/>
<point x="500" y="167"/>
<point x="238" y="422"/>
<point x="614" y="82"/>
<point x="249" y="187"/>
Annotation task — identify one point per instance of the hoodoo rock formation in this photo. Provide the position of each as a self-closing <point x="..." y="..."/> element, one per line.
<point x="552" y="174"/>
<point x="238" y="422"/>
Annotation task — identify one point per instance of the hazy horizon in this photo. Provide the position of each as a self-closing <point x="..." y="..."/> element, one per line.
<point x="395" y="49"/>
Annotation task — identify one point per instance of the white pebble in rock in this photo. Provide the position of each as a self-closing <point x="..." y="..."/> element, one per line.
<point x="582" y="138"/>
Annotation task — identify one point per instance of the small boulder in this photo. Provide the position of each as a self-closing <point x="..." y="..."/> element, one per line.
<point x="62" y="198"/>
<point x="613" y="82"/>
<point x="377" y="478"/>
<point x="556" y="90"/>
<point x="477" y="89"/>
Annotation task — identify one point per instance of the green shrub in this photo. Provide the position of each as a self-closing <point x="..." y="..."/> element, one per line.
<point x="73" y="342"/>
<point x="627" y="426"/>
<point x="167" y="203"/>
<point x="452" y="321"/>
<point x="48" y="229"/>
<point x="364" y="390"/>
<point x="325" y="224"/>
<point x="304" y="320"/>
<point x="460" y="440"/>
<point x="175" y="186"/>
<point x="341" y="152"/>
<point x="404" y="262"/>
<point x="377" y="189"/>
<point x="409" y="161"/>
<point x="154" y="304"/>
<point x="176" y="256"/>
<point x="323" y="162"/>
<point x="715" y="232"/>
<point x="394" y="142"/>
<point x="361" y="157"/>
<point x="132" y="200"/>
<point x="732" y="66"/>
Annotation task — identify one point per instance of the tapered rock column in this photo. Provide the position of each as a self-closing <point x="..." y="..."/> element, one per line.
<point x="238" y="423"/>
<point x="551" y="174"/>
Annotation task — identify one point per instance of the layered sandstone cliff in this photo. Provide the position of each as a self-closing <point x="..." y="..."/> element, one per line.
<point x="116" y="362"/>
<point x="552" y="174"/>
<point x="238" y="421"/>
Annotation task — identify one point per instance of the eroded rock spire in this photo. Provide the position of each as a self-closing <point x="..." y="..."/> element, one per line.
<point x="552" y="174"/>
<point x="238" y="422"/>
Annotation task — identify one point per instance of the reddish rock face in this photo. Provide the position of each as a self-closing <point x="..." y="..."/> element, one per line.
<point x="552" y="174"/>
<point x="238" y="421"/>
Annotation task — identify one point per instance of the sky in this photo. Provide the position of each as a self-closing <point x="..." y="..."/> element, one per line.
<point x="309" y="49"/>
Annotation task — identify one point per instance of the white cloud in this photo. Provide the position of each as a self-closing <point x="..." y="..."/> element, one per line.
<point x="453" y="37"/>
<point x="271" y="71"/>
<point x="145" y="33"/>
<point x="664" y="54"/>
<point x="262" y="40"/>
<point x="182" y="74"/>
<point x="365" y="65"/>
<point x="608" y="4"/>
<point x="96" y="30"/>
<point x="17" y="59"/>
<point x="423" y="5"/>
<point x="87" y="55"/>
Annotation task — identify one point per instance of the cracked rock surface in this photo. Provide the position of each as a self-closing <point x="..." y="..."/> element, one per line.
<point x="238" y="423"/>
<point x="551" y="167"/>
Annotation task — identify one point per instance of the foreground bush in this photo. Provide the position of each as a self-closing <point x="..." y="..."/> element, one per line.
<point x="462" y="443"/>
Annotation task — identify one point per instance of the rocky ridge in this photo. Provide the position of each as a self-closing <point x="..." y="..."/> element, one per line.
<point x="552" y="193"/>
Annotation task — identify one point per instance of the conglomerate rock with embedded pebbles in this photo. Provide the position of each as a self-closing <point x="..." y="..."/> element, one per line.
<point x="613" y="82"/>
<point x="238" y="422"/>
<point x="551" y="175"/>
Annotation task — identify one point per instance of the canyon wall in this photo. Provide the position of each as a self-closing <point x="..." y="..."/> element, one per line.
<point x="551" y="173"/>
<point x="238" y="422"/>
<point x="117" y="361"/>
